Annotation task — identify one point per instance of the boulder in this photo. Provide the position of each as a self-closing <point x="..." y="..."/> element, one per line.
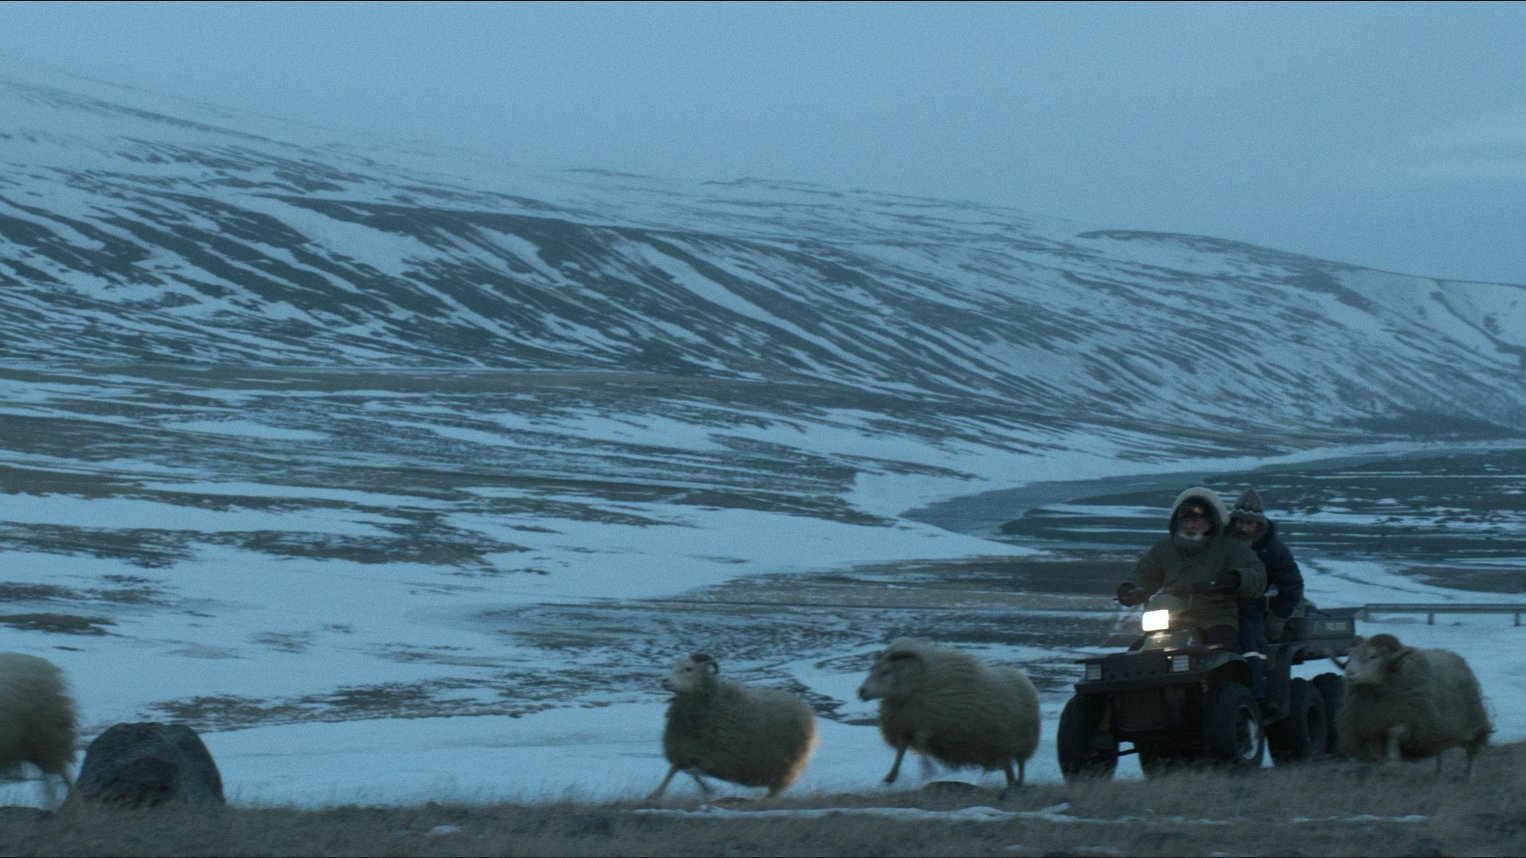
<point x="147" y="764"/>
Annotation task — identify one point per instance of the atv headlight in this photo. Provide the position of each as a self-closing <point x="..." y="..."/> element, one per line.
<point x="1181" y="663"/>
<point x="1094" y="672"/>
<point x="1156" y="621"/>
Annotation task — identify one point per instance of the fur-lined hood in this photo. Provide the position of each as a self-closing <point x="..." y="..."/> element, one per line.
<point x="1210" y="499"/>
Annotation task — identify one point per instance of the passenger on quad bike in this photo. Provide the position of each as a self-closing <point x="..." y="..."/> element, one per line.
<point x="1262" y="619"/>
<point x="1201" y="557"/>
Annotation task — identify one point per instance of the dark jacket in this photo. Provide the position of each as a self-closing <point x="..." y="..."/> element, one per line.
<point x="1281" y="571"/>
<point x="1167" y="567"/>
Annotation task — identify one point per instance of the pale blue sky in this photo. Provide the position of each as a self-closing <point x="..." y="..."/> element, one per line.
<point x="1384" y="134"/>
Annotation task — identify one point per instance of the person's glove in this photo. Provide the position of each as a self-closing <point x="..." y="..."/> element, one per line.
<point x="1275" y="626"/>
<point x="1130" y="594"/>
<point x="1229" y="579"/>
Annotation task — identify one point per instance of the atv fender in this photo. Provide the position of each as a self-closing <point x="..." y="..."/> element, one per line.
<point x="1279" y="673"/>
<point x="1227" y="667"/>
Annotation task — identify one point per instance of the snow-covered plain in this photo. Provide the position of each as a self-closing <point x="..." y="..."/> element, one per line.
<point x="257" y="628"/>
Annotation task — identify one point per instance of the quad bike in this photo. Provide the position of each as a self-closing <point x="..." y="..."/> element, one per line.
<point x="1177" y="701"/>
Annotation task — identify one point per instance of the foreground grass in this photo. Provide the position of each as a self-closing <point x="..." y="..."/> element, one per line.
<point x="1336" y="808"/>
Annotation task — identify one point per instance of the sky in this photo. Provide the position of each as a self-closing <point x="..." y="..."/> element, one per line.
<point x="1387" y="135"/>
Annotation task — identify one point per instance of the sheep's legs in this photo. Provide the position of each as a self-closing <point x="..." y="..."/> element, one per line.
<point x="925" y="765"/>
<point x="1015" y="780"/>
<point x="56" y="788"/>
<point x="1391" y="749"/>
<point x="669" y="779"/>
<point x="895" y="768"/>
<point x="662" y="787"/>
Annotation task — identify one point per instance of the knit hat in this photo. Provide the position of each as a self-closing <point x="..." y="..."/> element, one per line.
<point x="1248" y="507"/>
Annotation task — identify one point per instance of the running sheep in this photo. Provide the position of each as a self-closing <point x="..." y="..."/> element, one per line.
<point x="37" y="721"/>
<point x="1406" y="703"/>
<point x="744" y="735"/>
<point x="946" y="705"/>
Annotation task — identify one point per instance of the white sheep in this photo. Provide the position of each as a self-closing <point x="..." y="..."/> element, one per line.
<point x="946" y="705"/>
<point x="1406" y="703"/>
<point x="744" y="735"/>
<point x="37" y="721"/>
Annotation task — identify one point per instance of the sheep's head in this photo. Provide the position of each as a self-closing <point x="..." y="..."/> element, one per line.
<point x="1373" y="659"/>
<point x="890" y="669"/>
<point x="690" y="672"/>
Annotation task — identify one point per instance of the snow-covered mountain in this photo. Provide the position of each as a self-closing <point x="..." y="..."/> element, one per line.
<point x="140" y="230"/>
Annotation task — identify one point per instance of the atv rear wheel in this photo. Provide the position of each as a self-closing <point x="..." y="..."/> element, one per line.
<point x="1304" y="733"/>
<point x="1332" y="687"/>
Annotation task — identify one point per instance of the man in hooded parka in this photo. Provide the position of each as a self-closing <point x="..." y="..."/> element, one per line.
<point x="1199" y="550"/>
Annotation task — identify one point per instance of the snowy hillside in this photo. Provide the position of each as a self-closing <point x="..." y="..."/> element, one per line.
<point x="133" y="231"/>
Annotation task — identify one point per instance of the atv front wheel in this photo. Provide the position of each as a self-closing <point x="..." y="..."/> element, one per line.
<point x="1232" y="731"/>
<point x="1085" y="749"/>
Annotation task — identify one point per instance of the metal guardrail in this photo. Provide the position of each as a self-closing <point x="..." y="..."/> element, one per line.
<point x="1431" y="609"/>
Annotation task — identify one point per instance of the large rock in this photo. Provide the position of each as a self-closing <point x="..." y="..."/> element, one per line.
<point x="147" y="764"/>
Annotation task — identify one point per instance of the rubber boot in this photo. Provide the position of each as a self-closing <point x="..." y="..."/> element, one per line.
<point x="1257" y="663"/>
